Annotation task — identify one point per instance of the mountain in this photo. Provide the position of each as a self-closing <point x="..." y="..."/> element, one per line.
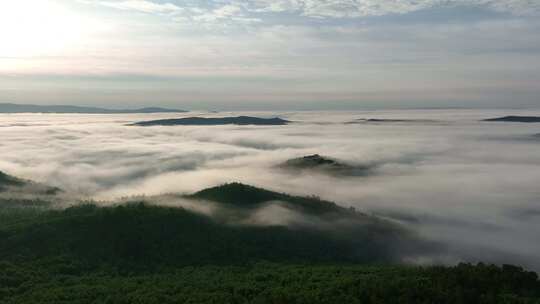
<point x="202" y="121"/>
<point x="143" y="236"/>
<point x="385" y="120"/>
<point x="245" y="196"/>
<point x="326" y="165"/>
<point x="16" y="186"/>
<point x="143" y="253"/>
<point x="68" y="109"/>
<point x="527" y="119"/>
<point x="379" y="120"/>
<point x="9" y="181"/>
<point x="153" y="236"/>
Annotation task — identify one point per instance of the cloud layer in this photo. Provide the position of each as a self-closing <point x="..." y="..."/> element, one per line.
<point x="472" y="185"/>
<point x="313" y="8"/>
<point x="140" y="6"/>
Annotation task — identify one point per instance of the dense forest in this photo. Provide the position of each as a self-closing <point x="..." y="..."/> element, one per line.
<point x="63" y="280"/>
<point x="139" y="252"/>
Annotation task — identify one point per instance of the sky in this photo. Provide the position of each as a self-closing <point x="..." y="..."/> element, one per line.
<point x="271" y="55"/>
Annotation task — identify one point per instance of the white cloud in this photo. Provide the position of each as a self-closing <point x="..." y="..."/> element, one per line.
<point x="360" y="8"/>
<point x="495" y="167"/>
<point x="228" y="12"/>
<point x="517" y="7"/>
<point x="276" y="6"/>
<point x="242" y="11"/>
<point x="238" y="51"/>
<point x="140" y="6"/>
<point x="216" y="10"/>
<point x="351" y="8"/>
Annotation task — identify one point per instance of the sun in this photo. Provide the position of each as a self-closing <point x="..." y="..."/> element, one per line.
<point x="32" y="28"/>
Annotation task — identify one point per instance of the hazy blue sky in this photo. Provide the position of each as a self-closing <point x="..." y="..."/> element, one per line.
<point x="263" y="54"/>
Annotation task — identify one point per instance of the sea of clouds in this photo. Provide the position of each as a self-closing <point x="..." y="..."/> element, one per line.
<point x="470" y="184"/>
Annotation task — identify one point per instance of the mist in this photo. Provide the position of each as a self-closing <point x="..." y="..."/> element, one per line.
<point x="448" y="176"/>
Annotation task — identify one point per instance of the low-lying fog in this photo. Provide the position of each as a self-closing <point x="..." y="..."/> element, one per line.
<point x="473" y="185"/>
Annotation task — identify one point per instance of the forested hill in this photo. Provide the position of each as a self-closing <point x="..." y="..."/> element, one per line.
<point x="140" y="235"/>
<point x="526" y="119"/>
<point x="9" y="181"/>
<point x="245" y="196"/>
<point x="325" y="165"/>
<point x="144" y="253"/>
<point x="214" y="121"/>
<point x="18" y="186"/>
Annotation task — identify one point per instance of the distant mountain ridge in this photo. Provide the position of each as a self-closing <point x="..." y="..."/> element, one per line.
<point x="69" y="109"/>
<point x="214" y="121"/>
<point x="528" y="119"/>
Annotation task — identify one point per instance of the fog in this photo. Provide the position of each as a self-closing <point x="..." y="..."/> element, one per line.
<point x="472" y="185"/>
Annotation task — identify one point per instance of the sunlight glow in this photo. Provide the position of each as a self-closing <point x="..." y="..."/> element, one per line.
<point x="30" y="28"/>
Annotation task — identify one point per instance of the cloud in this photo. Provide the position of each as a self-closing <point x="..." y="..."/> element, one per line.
<point x="231" y="10"/>
<point x="142" y="6"/>
<point x="364" y="8"/>
<point x="297" y="51"/>
<point x="517" y="7"/>
<point x="276" y="6"/>
<point x="340" y="8"/>
<point x="230" y="13"/>
<point x="485" y="61"/>
<point x="231" y="53"/>
<point x="462" y="182"/>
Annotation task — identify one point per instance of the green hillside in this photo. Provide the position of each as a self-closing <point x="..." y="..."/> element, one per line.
<point x="245" y="196"/>
<point x="139" y="236"/>
<point x="142" y="253"/>
<point x="9" y="181"/>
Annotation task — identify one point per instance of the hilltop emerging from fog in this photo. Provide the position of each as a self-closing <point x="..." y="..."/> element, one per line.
<point x="203" y="121"/>
<point x="515" y="119"/>
<point x="18" y="186"/>
<point x="246" y="224"/>
<point x="326" y="165"/>
<point x="257" y="246"/>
